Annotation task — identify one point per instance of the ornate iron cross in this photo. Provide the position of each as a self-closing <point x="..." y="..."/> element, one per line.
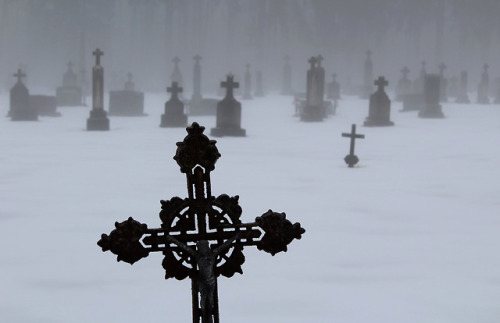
<point x="201" y="236"/>
<point x="352" y="159"/>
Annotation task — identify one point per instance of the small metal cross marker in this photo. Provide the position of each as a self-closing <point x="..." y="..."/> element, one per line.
<point x="174" y="89"/>
<point x="201" y="236"/>
<point x="352" y="159"/>
<point x="381" y="82"/>
<point x="229" y="84"/>
<point x="98" y="53"/>
<point x="19" y="75"/>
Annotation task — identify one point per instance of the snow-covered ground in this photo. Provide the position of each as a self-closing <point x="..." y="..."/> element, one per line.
<point x="412" y="235"/>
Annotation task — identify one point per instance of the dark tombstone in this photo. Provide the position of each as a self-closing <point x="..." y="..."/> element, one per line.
<point x="462" y="96"/>
<point x="453" y="87"/>
<point x="333" y="92"/>
<point x="313" y="109"/>
<point x="352" y="159"/>
<point x="176" y="75"/>
<point x="174" y="109"/>
<point x="20" y="107"/>
<point x="197" y="231"/>
<point x="404" y="85"/>
<point x="259" y="91"/>
<point x="228" y="121"/>
<point x="98" y="119"/>
<point x="198" y="106"/>
<point x="127" y="102"/>
<point x="367" y="76"/>
<point x="69" y="94"/>
<point x="432" y="108"/>
<point x="247" y="93"/>
<point x="379" y="114"/>
<point x="287" y="77"/>
<point x="483" y="88"/>
<point x="443" y="84"/>
<point x="46" y="105"/>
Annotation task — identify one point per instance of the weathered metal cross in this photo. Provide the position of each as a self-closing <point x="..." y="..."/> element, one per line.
<point x="352" y="159"/>
<point x="19" y="75"/>
<point x="201" y="236"/>
<point x="98" y="53"/>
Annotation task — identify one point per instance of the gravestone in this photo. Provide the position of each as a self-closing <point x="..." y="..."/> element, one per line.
<point x="483" y="87"/>
<point x="98" y="119"/>
<point x="259" y="91"/>
<point x="333" y="92"/>
<point x="443" y="84"/>
<point x="228" y="121"/>
<point x="432" y="108"/>
<point x="352" y="159"/>
<point x="287" y="77"/>
<point x="174" y="109"/>
<point x="462" y="96"/>
<point x="20" y="107"/>
<point x="197" y="232"/>
<point x="198" y="106"/>
<point x="247" y="93"/>
<point x="404" y="85"/>
<point x="69" y="94"/>
<point x="313" y="109"/>
<point x="127" y="102"/>
<point x="367" y="76"/>
<point x="176" y="75"/>
<point x="379" y="114"/>
<point x="45" y="105"/>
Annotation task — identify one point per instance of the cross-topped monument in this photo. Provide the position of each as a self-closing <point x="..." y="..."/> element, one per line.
<point x="174" y="89"/>
<point x="229" y="85"/>
<point x="352" y="159"/>
<point x="381" y="83"/>
<point x="19" y="75"/>
<point x="98" y="53"/>
<point x="201" y="236"/>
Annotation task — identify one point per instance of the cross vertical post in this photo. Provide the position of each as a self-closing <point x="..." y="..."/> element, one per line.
<point x="19" y="75"/>
<point x="98" y="53"/>
<point x="352" y="159"/>
<point x="201" y="236"/>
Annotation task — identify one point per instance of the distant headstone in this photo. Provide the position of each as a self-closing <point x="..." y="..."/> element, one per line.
<point x="247" y="92"/>
<point x="462" y="96"/>
<point x="313" y="109"/>
<point x="287" y="77"/>
<point x="259" y="90"/>
<point x="228" y="121"/>
<point x="176" y="75"/>
<point x="367" y="76"/>
<point x="432" y="108"/>
<point x="333" y="92"/>
<point x="45" y="105"/>
<point x="352" y="159"/>
<point x="483" y="88"/>
<point x="404" y="85"/>
<point x="69" y="94"/>
<point x="380" y="106"/>
<point x="174" y="109"/>
<point x="20" y="107"/>
<point x="98" y="119"/>
<point x="443" y="84"/>
<point x="126" y="102"/>
<point x="199" y="106"/>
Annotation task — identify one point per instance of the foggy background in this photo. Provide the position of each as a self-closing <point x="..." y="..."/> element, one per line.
<point x="142" y="36"/>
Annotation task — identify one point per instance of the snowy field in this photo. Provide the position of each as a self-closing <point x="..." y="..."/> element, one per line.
<point x="411" y="235"/>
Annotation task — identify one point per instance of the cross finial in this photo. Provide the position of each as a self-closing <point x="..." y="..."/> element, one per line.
<point x="381" y="82"/>
<point x="197" y="58"/>
<point x="405" y="71"/>
<point x="98" y="53"/>
<point x="313" y="60"/>
<point x="176" y="60"/>
<point x="174" y="89"/>
<point x="19" y="75"/>
<point x="229" y="84"/>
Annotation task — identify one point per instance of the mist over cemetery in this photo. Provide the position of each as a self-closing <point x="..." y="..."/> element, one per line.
<point x="249" y="161"/>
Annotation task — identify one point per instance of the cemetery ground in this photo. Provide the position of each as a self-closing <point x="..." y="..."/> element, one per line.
<point x="409" y="235"/>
